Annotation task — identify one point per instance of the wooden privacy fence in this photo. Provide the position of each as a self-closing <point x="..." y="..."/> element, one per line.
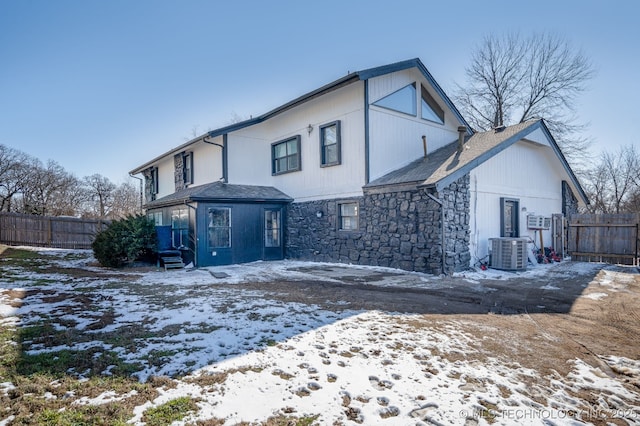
<point x="611" y="238"/>
<point x="49" y="231"/>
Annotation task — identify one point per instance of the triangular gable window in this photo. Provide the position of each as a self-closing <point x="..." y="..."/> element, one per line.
<point x="430" y="109"/>
<point x="403" y="100"/>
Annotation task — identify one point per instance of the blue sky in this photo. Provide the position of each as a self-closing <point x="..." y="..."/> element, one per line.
<point x="104" y="86"/>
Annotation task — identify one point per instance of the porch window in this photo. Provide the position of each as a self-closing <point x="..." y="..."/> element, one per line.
<point x="348" y="220"/>
<point x="180" y="227"/>
<point x="156" y="217"/>
<point x="285" y="156"/>
<point x="272" y="228"/>
<point x="219" y="227"/>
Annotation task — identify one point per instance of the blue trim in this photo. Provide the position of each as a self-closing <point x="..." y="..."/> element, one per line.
<point x="298" y="154"/>
<point x="417" y="63"/>
<point x="225" y="157"/>
<point x="564" y="162"/>
<point x="366" y="132"/>
<point x="323" y="158"/>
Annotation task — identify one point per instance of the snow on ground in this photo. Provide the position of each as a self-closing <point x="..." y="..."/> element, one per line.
<point x="283" y="357"/>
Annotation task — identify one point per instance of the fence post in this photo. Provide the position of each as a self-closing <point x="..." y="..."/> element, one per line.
<point x="49" y="232"/>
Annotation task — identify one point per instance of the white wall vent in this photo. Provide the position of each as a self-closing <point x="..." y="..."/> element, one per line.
<point x="509" y="254"/>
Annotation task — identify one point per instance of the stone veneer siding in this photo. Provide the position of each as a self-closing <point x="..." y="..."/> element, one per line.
<point x="148" y="183"/>
<point x="399" y="229"/>
<point x="178" y="171"/>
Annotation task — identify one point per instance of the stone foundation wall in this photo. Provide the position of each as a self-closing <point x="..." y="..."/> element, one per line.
<point x="400" y="229"/>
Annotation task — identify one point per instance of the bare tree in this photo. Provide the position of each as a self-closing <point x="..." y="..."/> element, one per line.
<point x="613" y="184"/>
<point x="14" y="170"/>
<point x="47" y="188"/>
<point x="100" y="194"/>
<point x="514" y="79"/>
<point x="126" y="201"/>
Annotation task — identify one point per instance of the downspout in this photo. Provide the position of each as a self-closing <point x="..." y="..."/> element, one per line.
<point x="442" y="249"/>
<point x="225" y="172"/>
<point x="140" y="179"/>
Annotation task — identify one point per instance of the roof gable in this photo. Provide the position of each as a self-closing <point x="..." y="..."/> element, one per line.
<point x="446" y="165"/>
<point x="341" y="82"/>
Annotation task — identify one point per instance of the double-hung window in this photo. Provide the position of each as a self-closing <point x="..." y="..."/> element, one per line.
<point x="348" y="216"/>
<point x="330" y="144"/>
<point x="285" y="156"/>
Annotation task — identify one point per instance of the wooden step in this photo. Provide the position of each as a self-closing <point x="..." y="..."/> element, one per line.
<point x="172" y="262"/>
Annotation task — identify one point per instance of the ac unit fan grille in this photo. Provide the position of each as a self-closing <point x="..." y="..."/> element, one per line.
<point x="509" y="253"/>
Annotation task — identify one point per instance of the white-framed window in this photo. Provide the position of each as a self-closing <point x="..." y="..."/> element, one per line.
<point x="285" y="156"/>
<point x="219" y="227"/>
<point x="180" y="227"/>
<point x="330" y="144"/>
<point x="156" y="217"/>
<point x="348" y="216"/>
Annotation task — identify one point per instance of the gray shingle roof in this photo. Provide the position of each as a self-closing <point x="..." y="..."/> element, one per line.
<point x="223" y="192"/>
<point x="446" y="164"/>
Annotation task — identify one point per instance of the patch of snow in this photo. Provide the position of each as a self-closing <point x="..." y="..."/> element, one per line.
<point x="595" y="296"/>
<point x="549" y="287"/>
<point x="104" y="398"/>
<point x="6" y="387"/>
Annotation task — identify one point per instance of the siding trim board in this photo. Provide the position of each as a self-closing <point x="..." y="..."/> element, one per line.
<point x="366" y="132"/>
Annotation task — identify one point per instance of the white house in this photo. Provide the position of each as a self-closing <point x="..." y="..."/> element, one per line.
<point x="376" y="168"/>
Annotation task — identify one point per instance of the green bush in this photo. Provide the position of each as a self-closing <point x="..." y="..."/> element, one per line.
<point x="125" y="241"/>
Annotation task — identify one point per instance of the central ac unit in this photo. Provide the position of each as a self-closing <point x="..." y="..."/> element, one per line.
<point x="509" y="254"/>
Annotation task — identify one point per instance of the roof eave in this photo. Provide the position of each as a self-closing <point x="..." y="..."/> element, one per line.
<point x="565" y="163"/>
<point x="463" y="170"/>
<point x="343" y="81"/>
<point x="417" y="63"/>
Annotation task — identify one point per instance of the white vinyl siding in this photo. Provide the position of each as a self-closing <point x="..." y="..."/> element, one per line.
<point x="395" y="139"/>
<point x="166" y="178"/>
<point x="250" y="148"/>
<point x="525" y="171"/>
<point x="207" y="161"/>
